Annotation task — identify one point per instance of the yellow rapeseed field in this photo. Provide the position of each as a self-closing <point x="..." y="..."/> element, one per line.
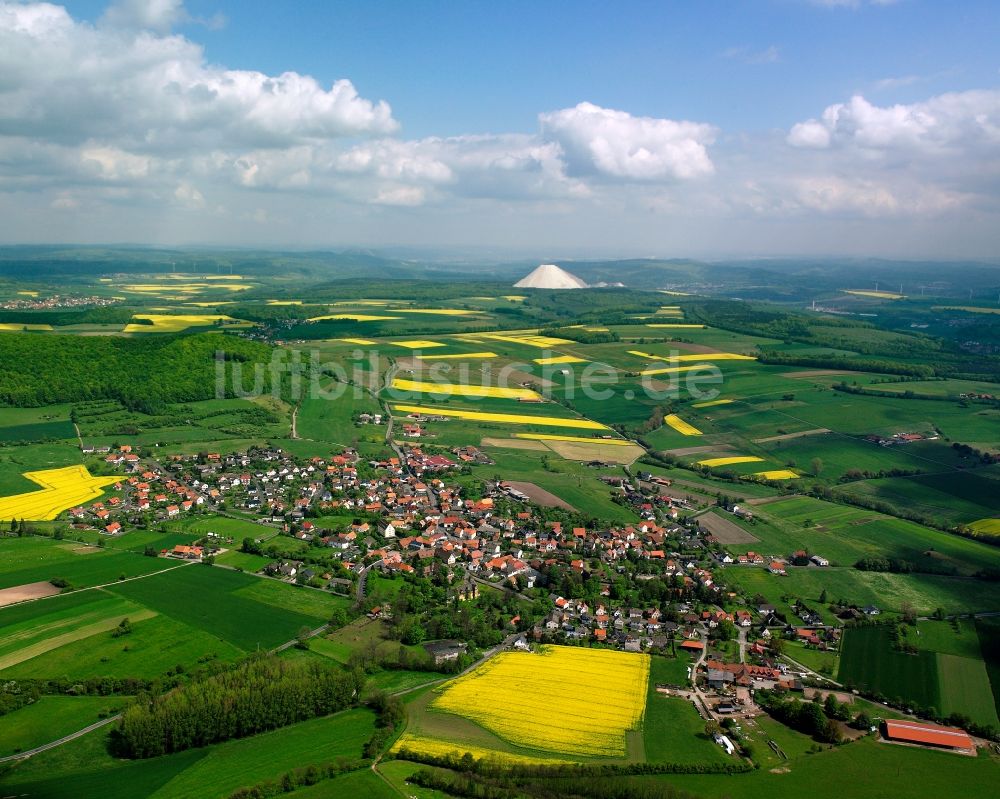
<point x="361" y="342"/>
<point x="678" y="325"/>
<point x="464" y="390"/>
<point x="986" y="526"/>
<point x="184" y="288"/>
<point x="567" y="700"/>
<point x="356" y="317"/>
<point x="530" y="339"/>
<point x="711" y="403"/>
<point x="15" y="327"/>
<point x="557" y="359"/>
<point x="733" y="459"/>
<point x="515" y="297"/>
<point x="778" y="474"/>
<point x="165" y="323"/>
<point x="712" y="356"/>
<point x="472" y="356"/>
<point x="437" y="311"/>
<point x="503" y="418"/>
<point x="577" y="439"/>
<point x="681" y="426"/>
<point x="418" y="344"/>
<point x="436" y="747"/>
<point x="882" y="295"/>
<point x="61" y="489"/>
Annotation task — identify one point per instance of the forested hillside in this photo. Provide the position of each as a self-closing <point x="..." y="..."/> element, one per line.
<point x="141" y="373"/>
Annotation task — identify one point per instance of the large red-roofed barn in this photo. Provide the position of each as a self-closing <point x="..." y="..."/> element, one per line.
<point x="915" y="732"/>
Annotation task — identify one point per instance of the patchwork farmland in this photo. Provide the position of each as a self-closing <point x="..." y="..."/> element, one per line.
<point x="547" y="531"/>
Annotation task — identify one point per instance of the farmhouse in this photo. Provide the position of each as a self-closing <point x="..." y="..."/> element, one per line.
<point x="914" y="732"/>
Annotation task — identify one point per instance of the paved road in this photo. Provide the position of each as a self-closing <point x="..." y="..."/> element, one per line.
<point x="65" y="739"/>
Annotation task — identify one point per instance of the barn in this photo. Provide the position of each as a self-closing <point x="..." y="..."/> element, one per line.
<point x="915" y="732"/>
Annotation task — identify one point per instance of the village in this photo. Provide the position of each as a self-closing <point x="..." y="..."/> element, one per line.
<point x="408" y="518"/>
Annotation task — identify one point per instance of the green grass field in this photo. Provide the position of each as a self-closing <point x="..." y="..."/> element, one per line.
<point x="30" y="560"/>
<point x="82" y="769"/>
<point x="672" y="730"/>
<point x="210" y="599"/>
<point x="307" y="601"/>
<point x="52" y="717"/>
<point x="950" y="498"/>
<point x="572" y="482"/>
<point x="965" y="688"/>
<point x="14" y="461"/>
<point x="331" y="418"/>
<point x="153" y="647"/>
<point x="34" y="629"/>
<point x="925" y="593"/>
<point x="949" y="683"/>
<point x="844" y="535"/>
<point x="956" y="637"/>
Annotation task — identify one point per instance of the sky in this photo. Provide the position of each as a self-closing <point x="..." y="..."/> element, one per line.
<point x="555" y="129"/>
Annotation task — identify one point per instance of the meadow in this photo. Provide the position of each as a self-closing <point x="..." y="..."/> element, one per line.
<point x="35" y="628"/>
<point x="889" y="592"/>
<point x="155" y="646"/>
<point x="50" y="718"/>
<point x="213" y="600"/>
<point x="844" y="535"/>
<point x="28" y="560"/>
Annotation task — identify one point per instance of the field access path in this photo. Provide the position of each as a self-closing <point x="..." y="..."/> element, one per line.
<point x="64" y="740"/>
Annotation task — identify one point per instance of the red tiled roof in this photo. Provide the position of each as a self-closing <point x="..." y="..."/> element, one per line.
<point x="917" y="732"/>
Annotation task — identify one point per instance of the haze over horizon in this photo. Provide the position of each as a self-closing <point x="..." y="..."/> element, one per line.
<point x="770" y="128"/>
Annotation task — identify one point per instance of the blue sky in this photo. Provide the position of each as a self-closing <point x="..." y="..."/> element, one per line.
<point x="909" y="165"/>
<point x="450" y="68"/>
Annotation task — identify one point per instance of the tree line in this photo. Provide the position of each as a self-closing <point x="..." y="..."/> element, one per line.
<point x="261" y="694"/>
<point x="144" y="374"/>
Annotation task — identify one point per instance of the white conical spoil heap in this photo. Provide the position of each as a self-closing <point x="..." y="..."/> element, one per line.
<point x="550" y="276"/>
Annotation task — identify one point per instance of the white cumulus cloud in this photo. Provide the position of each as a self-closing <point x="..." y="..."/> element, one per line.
<point x="619" y="145"/>
<point x="67" y="81"/>
<point x="945" y="123"/>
